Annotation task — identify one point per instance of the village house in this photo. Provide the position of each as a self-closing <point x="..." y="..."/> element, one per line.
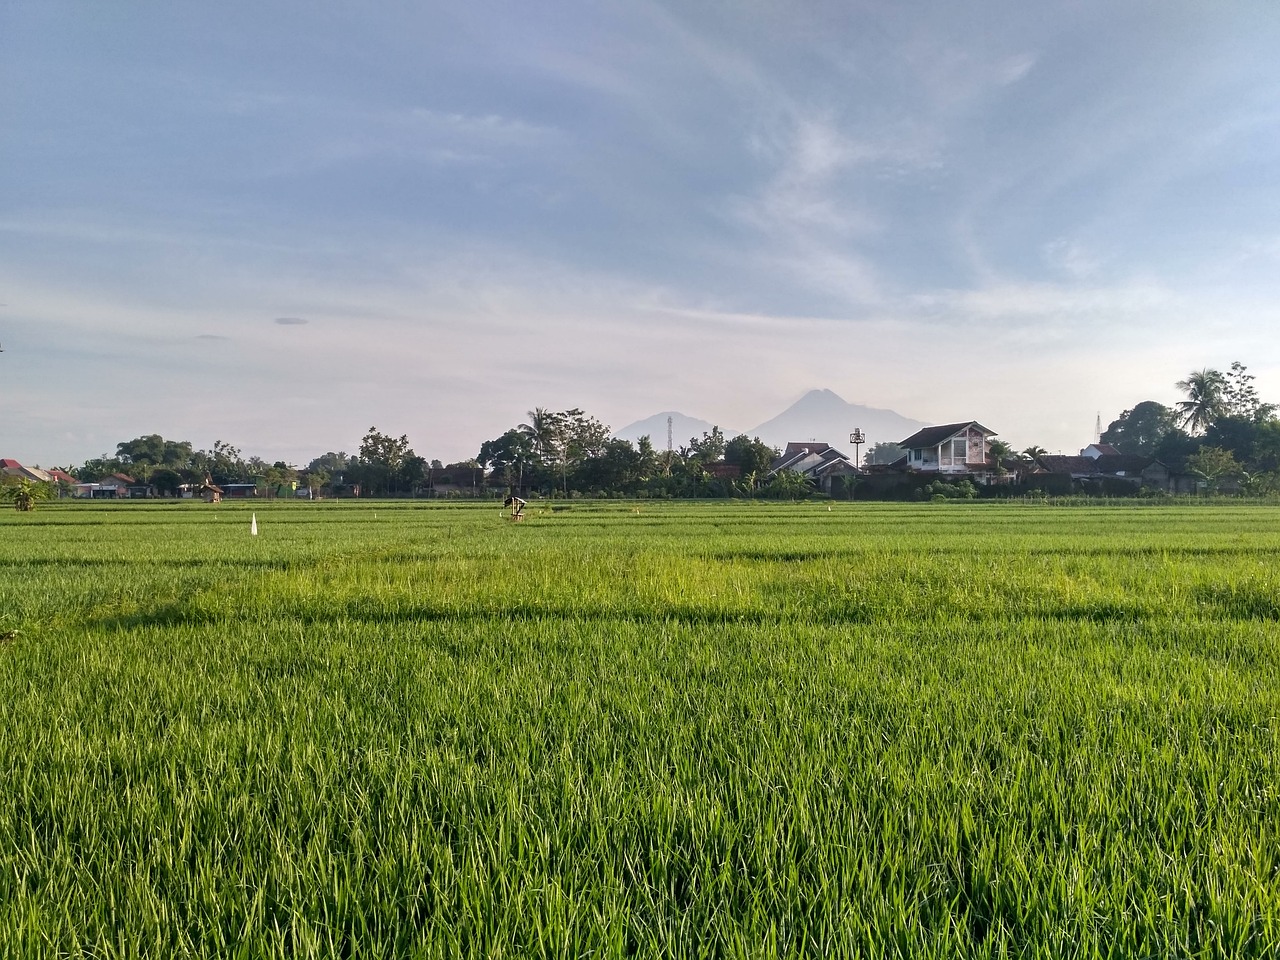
<point x="827" y="468"/>
<point x="1102" y="467"/>
<point x="114" y="486"/>
<point x="64" y="483"/>
<point x="1099" y="449"/>
<point x="722" y="471"/>
<point x="953" y="450"/>
<point x="12" y="468"/>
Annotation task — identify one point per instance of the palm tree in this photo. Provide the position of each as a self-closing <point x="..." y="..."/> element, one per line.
<point x="543" y="431"/>
<point x="1034" y="453"/>
<point x="1204" y="403"/>
<point x="998" y="452"/>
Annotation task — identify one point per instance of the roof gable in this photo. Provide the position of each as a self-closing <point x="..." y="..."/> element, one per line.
<point x="811" y="459"/>
<point x="932" y="436"/>
<point x="796" y="447"/>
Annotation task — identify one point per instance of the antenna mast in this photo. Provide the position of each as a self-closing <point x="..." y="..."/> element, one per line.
<point x="670" y="447"/>
<point x="1097" y="428"/>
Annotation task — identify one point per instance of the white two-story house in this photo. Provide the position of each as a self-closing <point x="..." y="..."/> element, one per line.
<point x="952" y="449"/>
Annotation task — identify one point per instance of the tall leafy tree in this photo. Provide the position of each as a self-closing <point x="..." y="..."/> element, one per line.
<point x="650" y="460"/>
<point x="99" y="467"/>
<point x="751" y="456"/>
<point x="1174" y="448"/>
<point x="1139" y="430"/>
<point x="1239" y="435"/>
<point x="1240" y="397"/>
<point x="166" y="480"/>
<point x="415" y="473"/>
<point x="1265" y="456"/>
<point x="226" y="464"/>
<point x="149" y="449"/>
<point x="510" y="457"/>
<point x="156" y="450"/>
<point x="619" y="467"/>
<point x="583" y="436"/>
<point x="381" y="459"/>
<point x="709" y="448"/>
<point x="334" y="464"/>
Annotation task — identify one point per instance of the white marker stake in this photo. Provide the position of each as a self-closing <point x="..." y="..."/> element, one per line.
<point x="253" y="526"/>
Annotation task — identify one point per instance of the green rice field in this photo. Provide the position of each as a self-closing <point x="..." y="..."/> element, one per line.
<point x="624" y="729"/>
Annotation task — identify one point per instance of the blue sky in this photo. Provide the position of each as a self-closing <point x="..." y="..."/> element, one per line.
<point x="276" y="224"/>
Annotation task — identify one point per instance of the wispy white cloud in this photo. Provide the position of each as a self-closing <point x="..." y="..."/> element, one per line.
<point x="1071" y="258"/>
<point x="1013" y="69"/>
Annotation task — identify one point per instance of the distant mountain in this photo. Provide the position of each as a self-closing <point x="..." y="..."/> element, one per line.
<point x="682" y="429"/>
<point x="823" y="416"/>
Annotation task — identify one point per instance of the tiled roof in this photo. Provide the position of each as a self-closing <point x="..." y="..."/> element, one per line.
<point x="1056" y="463"/>
<point x="1126" y="462"/>
<point x="795" y="447"/>
<point x="932" y="436"/>
<point x="820" y="459"/>
<point x="1109" y="464"/>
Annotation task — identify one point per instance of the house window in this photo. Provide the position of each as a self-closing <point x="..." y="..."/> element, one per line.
<point x="959" y="449"/>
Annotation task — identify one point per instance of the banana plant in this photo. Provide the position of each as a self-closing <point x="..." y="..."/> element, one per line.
<point x="24" y="493"/>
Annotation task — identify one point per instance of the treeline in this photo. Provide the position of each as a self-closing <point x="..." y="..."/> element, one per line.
<point x="384" y="466"/>
<point x="567" y="452"/>
<point x="564" y="453"/>
<point x="1222" y="430"/>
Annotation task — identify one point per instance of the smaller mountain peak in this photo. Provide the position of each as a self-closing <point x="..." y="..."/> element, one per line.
<point x="822" y="395"/>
